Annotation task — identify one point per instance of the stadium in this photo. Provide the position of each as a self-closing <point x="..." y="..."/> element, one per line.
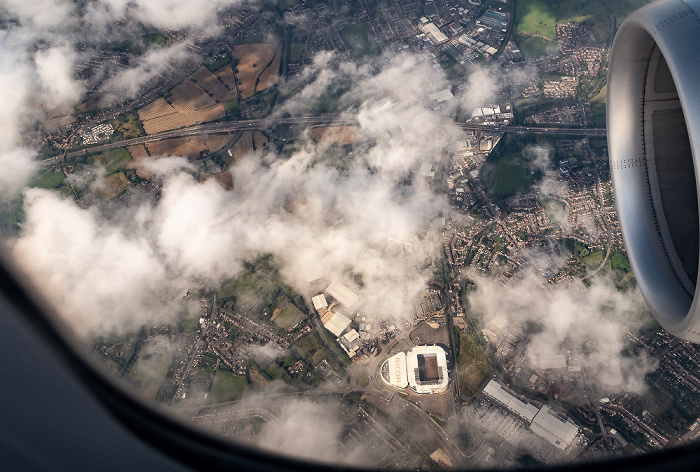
<point x="423" y="368"/>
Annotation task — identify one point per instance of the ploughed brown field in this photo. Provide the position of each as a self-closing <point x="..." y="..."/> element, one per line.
<point x="334" y="134"/>
<point x="257" y="67"/>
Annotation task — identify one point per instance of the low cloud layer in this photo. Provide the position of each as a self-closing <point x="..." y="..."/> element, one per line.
<point x="367" y="216"/>
<point x="592" y="321"/>
<point x="167" y="14"/>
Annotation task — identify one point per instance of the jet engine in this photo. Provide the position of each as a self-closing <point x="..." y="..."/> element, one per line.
<point x="653" y="118"/>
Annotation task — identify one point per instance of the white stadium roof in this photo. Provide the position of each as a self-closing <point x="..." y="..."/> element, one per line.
<point x="427" y="360"/>
<point x="337" y="324"/>
<point x="319" y="302"/>
<point x="344" y="295"/>
<point x="394" y="371"/>
<point x="554" y="429"/>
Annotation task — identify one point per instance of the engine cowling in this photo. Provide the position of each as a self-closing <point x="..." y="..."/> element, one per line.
<point x="653" y="119"/>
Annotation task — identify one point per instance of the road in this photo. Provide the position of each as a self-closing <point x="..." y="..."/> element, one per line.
<point x="413" y="420"/>
<point x="319" y="119"/>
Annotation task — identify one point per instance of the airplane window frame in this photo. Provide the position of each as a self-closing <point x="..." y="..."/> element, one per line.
<point x="204" y="451"/>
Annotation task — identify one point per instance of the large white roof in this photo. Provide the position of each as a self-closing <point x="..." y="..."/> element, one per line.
<point x="412" y="369"/>
<point x="554" y="429"/>
<point x="524" y="410"/>
<point x="441" y="96"/>
<point x="344" y="295"/>
<point x="395" y="369"/>
<point x="319" y="302"/>
<point x="434" y="32"/>
<point x="337" y="324"/>
<point x="351" y="335"/>
<point x="555" y="361"/>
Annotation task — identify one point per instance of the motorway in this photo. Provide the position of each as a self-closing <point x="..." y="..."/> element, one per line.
<point x="319" y="119"/>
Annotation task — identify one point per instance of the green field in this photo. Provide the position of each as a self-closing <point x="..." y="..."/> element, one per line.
<point x="310" y="349"/>
<point x="227" y="386"/>
<point x="230" y="105"/>
<point x="48" y="179"/>
<point x="11" y="214"/>
<point x="356" y="38"/>
<point x="532" y="47"/>
<point x="128" y="125"/>
<point x="472" y="365"/>
<point x="599" y="109"/>
<point x="112" y="161"/>
<point x="539" y="18"/>
<point x="536" y="17"/>
<point x="259" y="285"/>
<point x="219" y="63"/>
<point x="509" y="176"/>
<point x="289" y="317"/>
<point x="618" y="262"/>
<point x="362" y="379"/>
<point x="156" y="38"/>
<point x="594" y="259"/>
<point x="151" y="366"/>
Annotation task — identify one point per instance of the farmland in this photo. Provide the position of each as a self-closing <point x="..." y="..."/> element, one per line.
<point x="257" y="67"/>
<point x="342" y="135"/>
<point x="212" y="85"/>
<point x="250" y="142"/>
<point x="225" y="76"/>
<point x="225" y="179"/>
<point x="189" y="147"/>
<point x="139" y="155"/>
<point x="196" y="100"/>
<point x="112" y="161"/>
<point x="48" y="179"/>
<point x="189" y="96"/>
<point x="227" y="386"/>
<point x="180" y="120"/>
<point x="128" y="125"/>
<point x="112" y="186"/>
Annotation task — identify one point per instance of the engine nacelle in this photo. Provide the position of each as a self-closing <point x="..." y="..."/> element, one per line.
<point x="653" y="118"/>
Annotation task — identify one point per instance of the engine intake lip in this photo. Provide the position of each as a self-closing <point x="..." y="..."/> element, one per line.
<point x="653" y="119"/>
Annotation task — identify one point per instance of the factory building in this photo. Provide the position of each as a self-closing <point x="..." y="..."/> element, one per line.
<point x="549" y="425"/>
<point x="335" y="322"/>
<point x="319" y="302"/>
<point x="544" y="422"/>
<point x="524" y="410"/>
<point x="434" y="33"/>
<point x="342" y="294"/>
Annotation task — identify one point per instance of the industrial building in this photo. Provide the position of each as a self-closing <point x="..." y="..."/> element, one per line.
<point x="524" y="410"/>
<point x="342" y="294"/>
<point x="549" y="425"/>
<point x="434" y="33"/>
<point x="544" y="422"/>
<point x="423" y="368"/>
<point x="319" y="302"/>
<point x="335" y="322"/>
